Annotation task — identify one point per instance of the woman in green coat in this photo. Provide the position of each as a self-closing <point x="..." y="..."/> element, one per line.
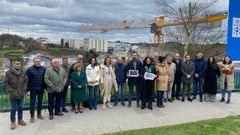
<point x="79" y="80"/>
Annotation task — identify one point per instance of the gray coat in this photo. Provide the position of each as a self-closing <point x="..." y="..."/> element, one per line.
<point x="55" y="80"/>
<point x="187" y="69"/>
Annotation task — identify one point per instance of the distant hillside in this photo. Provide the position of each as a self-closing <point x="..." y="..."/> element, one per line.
<point x="173" y="47"/>
<point x="10" y="41"/>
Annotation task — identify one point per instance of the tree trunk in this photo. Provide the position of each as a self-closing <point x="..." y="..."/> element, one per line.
<point x="186" y="47"/>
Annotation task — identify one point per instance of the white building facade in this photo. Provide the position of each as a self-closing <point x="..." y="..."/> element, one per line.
<point x="99" y="45"/>
<point x="73" y="43"/>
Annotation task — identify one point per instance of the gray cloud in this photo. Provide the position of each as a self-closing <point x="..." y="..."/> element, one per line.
<point x="60" y="18"/>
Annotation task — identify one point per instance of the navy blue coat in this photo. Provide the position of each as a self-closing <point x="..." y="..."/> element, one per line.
<point x="36" y="78"/>
<point x="120" y="72"/>
<point x="178" y="73"/>
<point x="200" y="67"/>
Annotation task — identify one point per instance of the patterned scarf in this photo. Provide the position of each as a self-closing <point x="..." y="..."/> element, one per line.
<point x="17" y="71"/>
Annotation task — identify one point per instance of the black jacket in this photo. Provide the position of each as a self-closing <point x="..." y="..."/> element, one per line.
<point x="130" y="66"/>
<point x="210" y="83"/>
<point x="200" y="67"/>
<point x="178" y="73"/>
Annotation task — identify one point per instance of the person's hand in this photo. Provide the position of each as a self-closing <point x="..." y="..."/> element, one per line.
<point x="188" y="76"/>
<point x="79" y="86"/>
<point x="196" y="75"/>
<point x="28" y="93"/>
<point x="128" y="75"/>
<point x="94" y="81"/>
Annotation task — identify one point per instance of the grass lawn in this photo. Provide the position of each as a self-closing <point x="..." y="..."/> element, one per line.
<point x="224" y="126"/>
<point x="12" y="51"/>
<point x="59" y="52"/>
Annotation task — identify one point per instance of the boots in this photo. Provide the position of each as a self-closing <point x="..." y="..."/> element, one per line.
<point x="13" y="126"/>
<point x="22" y="123"/>
<point x="129" y="104"/>
<point x="40" y="117"/>
<point x="76" y="108"/>
<point x="150" y="105"/>
<point x="228" y="101"/>
<point x="222" y="100"/>
<point x="32" y="120"/>
<point x="201" y="99"/>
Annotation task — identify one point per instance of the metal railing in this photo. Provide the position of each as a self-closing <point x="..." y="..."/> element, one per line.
<point x="5" y="102"/>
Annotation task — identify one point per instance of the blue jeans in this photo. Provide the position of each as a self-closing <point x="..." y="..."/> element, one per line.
<point x="54" y="100"/>
<point x="226" y="90"/>
<point x="16" y="105"/>
<point x="198" y="85"/>
<point x="160" y="95"/>
<point x="121" y="87"/>
<point x="33" y="94"/>
<point x="64" y="96"/>
<point x="93" y="93"/>
<point x="131" y="84"/>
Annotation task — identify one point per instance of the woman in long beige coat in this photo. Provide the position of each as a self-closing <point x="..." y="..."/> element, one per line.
<point x="162" y="80"/>
<point x="108" y="80"/>
<point x="227" y="78"/>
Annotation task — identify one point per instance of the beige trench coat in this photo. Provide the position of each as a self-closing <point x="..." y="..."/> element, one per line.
<point x="163" y="77"/>
<point x="171" y="71"/>
<point x="229" y="76"/>
<point x="105" y="80"/>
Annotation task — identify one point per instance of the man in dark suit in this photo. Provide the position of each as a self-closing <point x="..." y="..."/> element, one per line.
<point x="134" y="64"/>
<point x="176" y="89"/>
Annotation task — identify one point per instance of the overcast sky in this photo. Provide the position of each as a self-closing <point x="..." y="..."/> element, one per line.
<point x="58" y="19"/>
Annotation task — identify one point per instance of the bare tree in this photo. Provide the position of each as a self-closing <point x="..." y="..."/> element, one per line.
<point x="201" y="34"/>
<point x="189" y="33"/>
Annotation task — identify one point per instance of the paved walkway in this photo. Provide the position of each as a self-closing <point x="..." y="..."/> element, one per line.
<point x="122" y="118"/>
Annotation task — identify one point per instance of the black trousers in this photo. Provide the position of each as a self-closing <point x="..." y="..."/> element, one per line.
<point x="176" y="89"/>
<point x="147" y="93"/>
<point x="54" y="102"/>
<point x="33" y="95"/>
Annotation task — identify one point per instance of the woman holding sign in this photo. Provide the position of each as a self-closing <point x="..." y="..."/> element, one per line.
<point x="149" y="75"/>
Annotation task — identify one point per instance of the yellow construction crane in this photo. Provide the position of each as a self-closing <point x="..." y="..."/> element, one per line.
<point x="155" y="25"/>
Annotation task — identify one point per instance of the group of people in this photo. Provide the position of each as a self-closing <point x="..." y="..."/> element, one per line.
<point x="161" y="80"/>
